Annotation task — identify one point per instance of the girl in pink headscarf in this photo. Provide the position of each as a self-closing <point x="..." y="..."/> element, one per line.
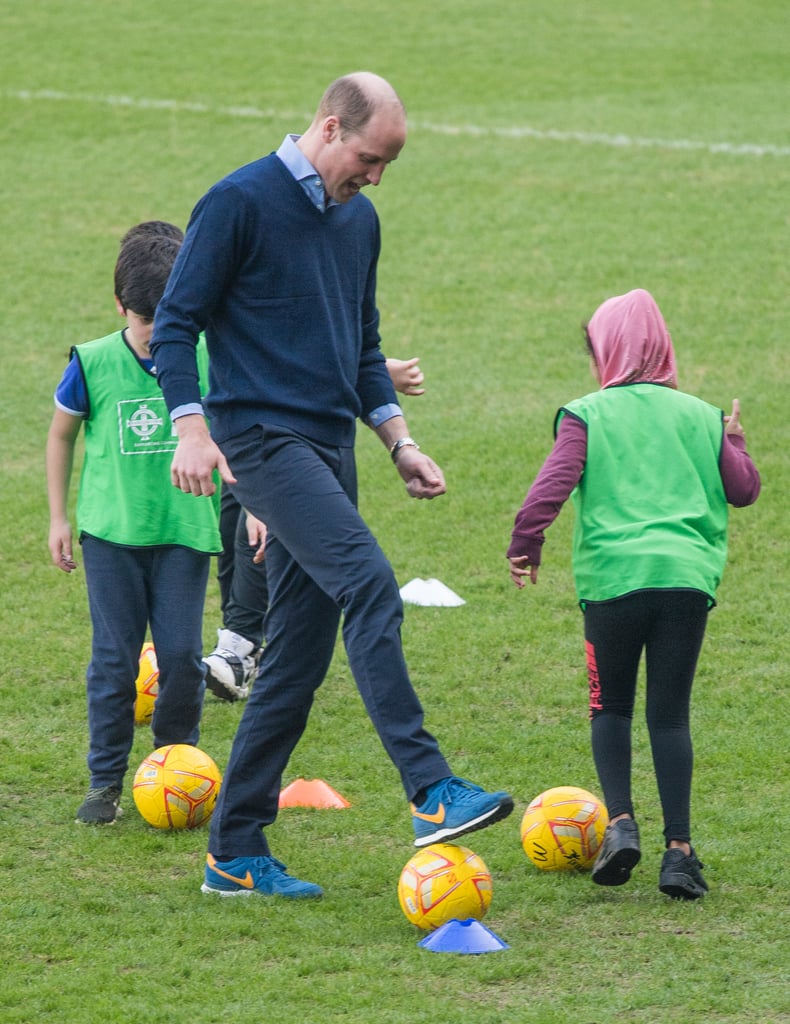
<point x="630" y="342"/>
<point x="651" y="471"/>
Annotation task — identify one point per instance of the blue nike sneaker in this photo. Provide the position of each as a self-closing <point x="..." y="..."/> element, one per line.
<point x="244" y="876"/>
<point x="452" y="807"/>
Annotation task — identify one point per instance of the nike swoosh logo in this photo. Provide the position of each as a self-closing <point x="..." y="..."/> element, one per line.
<point x="246" y="882"/>
<point x="436" y="818"/>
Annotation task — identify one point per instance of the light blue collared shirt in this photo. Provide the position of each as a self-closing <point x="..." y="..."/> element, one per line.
<point x="310" y="180"/>
<point x="304" y="172"/>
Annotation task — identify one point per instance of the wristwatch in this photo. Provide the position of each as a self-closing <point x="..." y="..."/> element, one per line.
<point x="403" y="442"/>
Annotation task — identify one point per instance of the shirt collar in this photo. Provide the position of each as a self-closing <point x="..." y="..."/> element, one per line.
<point x="304" y="172"/>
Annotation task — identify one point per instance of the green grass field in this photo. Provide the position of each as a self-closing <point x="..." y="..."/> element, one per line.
<point x="559" y="153"/>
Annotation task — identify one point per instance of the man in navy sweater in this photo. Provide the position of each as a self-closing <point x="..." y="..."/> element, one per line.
<point x="278" y="268"/>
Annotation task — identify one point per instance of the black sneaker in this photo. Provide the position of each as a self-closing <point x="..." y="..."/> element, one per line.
<point x="100" y="806"/>
<point x="681" y="876"/>
<point x="619" y="853"/>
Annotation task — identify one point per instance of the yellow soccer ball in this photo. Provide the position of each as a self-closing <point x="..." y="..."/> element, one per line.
<point x="147" y="685"/>
<point x="444" y="882"/>
<point x="562" y="829"/>
<point x="176" y="787"/>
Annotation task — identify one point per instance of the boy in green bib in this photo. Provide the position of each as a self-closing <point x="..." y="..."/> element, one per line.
<point x="146" y="546"/>
<point x="651" y="472"/>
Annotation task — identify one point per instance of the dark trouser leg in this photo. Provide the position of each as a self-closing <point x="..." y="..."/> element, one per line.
<point x="248" y="596"/>
<point x="229" y="510"/>
<point x="178" y="579"/>
<point x="322" y="559"/>
<point x="118" y="600"/>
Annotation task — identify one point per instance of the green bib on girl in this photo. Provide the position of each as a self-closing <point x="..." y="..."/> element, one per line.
<point x="650" y="507"/>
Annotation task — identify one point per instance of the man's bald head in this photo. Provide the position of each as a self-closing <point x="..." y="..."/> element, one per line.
<point x="355" y="98"/>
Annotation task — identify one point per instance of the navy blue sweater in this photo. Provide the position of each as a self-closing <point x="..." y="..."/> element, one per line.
<point x="286" y="296"/>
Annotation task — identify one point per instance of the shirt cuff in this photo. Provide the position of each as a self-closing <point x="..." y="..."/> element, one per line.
<point x="383" y="413"/>
<point x="191" y="409"/>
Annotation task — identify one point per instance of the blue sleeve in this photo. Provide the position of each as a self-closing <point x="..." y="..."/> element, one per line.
<point x="374" y="384"/>
<point x="383" y="413"/>
<point x="200" y="276"/>
<point x="71" y="395"/>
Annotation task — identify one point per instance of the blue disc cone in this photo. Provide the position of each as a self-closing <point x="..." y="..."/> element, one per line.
<point x="469" y="936"/>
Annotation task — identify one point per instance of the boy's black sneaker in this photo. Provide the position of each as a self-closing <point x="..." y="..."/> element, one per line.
<point x="100" y="806"/>
<point x="681" y="876"/>
<point x="619" y="853"/>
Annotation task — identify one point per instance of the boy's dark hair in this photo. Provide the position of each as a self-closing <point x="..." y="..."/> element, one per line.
<point x="141" y="271"/>
<point x="149" y="228"/>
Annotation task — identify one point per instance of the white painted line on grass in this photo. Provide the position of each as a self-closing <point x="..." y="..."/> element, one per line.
<point x="601" y="139"/>
<point x="470" y="130"/>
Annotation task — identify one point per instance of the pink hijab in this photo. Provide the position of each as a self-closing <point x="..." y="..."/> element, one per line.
<point x="631" y="343"/>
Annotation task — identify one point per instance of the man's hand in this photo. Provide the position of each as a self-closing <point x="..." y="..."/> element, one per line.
<point x="423" y="477"/>
<point x="196" y="457"/>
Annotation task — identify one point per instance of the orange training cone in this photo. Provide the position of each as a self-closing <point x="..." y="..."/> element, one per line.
<point x="312" y="793"/>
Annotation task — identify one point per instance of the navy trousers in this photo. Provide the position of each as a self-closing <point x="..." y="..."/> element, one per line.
<point x="128" y="588"/>
<point x="322" y="562"/>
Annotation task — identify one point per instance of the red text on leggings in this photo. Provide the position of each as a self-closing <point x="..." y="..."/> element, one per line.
<point x="592" y="676"/>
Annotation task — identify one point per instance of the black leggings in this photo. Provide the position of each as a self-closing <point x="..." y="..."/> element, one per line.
<point x="669" y="626"/>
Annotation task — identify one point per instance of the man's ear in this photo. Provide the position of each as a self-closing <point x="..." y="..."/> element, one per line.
<point x="120" y="306"/>
<point x="330" y="128"/>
